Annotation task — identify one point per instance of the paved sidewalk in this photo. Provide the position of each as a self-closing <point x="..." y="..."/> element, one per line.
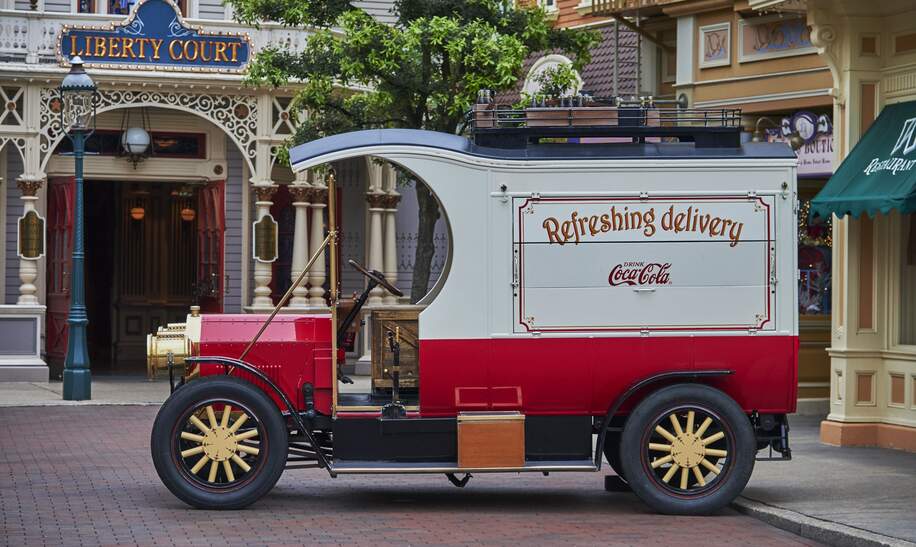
<point x="106" y="390"/>
<point x="864" y="490"/>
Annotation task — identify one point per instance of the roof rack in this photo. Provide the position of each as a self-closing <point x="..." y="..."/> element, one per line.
<point x="636" y="119"/>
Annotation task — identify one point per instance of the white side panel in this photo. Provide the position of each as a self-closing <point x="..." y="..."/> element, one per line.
<point x="478" y="298"/>
<point x="662" y="263"/>
<point x="582" y="309"/>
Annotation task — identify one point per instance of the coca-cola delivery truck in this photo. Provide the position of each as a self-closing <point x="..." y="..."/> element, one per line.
<point x="619" y="291"/>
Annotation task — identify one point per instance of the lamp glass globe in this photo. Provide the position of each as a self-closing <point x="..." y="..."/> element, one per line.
<point x="135" y="140"/>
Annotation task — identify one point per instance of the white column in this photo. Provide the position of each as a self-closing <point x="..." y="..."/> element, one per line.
<point x="300" y="193"/>
<point x="375" y="197"/>
<point x="318" y="199"/>
<point x="28" y="267"/>
<point x="263" y="271"/>
<point x="390" y="245"/>
<point x="374" y="260"/>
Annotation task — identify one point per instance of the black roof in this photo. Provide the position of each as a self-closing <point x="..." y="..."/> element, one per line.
<point x="456" y="143"/>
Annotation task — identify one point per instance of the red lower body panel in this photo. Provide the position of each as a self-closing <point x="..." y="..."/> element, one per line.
<point x="586" y="375"/>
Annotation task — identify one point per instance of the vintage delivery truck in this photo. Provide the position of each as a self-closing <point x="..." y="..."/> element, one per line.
<point x="618" y="291"/>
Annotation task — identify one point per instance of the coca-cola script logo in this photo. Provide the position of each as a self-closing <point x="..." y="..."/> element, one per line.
<point x="640" y="273"/>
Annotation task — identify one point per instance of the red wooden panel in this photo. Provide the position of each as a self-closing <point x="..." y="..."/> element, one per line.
<point x="60" y="247"/>
<point x="211" y="229"/>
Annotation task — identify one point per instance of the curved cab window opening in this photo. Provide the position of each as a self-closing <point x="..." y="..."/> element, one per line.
<point x="406" y="240"/>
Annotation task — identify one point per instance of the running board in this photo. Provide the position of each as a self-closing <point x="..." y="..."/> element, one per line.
<point x="370" y="467"/>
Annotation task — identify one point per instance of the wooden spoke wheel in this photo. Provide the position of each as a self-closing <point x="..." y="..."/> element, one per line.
<point x="219" y="443"/>
<point x="688" y="449"/>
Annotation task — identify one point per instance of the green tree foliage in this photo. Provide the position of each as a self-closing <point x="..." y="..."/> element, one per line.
<point x="423" y="72"/>
<point x="557" y="81"/>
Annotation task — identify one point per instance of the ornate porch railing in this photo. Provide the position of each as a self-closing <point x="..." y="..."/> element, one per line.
<point x="31" y="36"/>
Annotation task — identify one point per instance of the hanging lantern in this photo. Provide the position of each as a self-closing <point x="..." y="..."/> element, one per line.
<point x="137" y="213"/>
<point x="188" y="214"/>
<point x="136" y="143"/>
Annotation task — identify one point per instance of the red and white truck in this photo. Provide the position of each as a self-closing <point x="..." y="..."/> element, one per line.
<point x="633" y="303"/>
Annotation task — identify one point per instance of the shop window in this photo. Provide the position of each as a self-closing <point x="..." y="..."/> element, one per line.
<point x="165" y="144"/>
<point x="814" y="262"/>
<point x="907" y="301"/>
<point x="85" y="6"/>
<point x="120" y="7"/>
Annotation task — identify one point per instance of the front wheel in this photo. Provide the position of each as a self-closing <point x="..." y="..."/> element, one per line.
<point x="219" y="443"/>
<point x="688" y="450"/>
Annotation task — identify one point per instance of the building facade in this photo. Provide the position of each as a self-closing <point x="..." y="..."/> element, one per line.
<point x="177" y="225"/>
<point x="871" y="51"/>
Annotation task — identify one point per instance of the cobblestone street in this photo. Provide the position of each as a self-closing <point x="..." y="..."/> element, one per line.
<point x="83" y="475"/>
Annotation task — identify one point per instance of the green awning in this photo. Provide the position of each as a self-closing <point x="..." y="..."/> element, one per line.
<point x="880" y="173"/>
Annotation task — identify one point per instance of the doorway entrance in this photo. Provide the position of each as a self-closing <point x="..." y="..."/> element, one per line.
<point x="152" y="250"/>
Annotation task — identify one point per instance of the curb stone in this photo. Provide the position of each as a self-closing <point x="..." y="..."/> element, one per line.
<point x="824" y="531"/>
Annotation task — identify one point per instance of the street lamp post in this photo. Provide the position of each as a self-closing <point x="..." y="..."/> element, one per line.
<point x="78" y="99"/>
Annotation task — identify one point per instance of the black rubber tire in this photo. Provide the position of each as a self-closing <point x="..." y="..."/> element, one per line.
<point x="220" y="388"/>
<point x="667" y="399"/>
<point x="612" y="453"/>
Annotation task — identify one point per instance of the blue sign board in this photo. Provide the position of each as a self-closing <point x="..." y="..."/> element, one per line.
<point x="155" y="36"/>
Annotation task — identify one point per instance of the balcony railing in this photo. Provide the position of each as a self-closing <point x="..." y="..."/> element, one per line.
<point x="610" y="7"/>
<point x="31" y="37"/>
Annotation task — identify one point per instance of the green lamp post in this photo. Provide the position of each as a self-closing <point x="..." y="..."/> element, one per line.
<point x="78" y="95"/>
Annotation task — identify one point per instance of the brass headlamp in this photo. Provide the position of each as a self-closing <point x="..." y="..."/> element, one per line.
<point x="178" y="340"/>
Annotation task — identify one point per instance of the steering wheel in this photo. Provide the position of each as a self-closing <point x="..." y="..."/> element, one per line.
<point x="377" y="277"/>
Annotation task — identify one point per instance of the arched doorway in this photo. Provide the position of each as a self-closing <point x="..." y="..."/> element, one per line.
<point x="155" y="235"/>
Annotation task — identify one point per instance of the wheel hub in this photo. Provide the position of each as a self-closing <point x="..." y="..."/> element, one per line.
<point x="687" y="450"/>
<point x="220" y="444"/>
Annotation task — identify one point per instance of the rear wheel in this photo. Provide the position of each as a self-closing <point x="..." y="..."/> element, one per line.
<point x="219" y="443"/>
<point x="688" y="450"/>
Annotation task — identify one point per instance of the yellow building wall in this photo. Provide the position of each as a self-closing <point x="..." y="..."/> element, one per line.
<point x="873" y="377"/>
<point x="791" y="82"/>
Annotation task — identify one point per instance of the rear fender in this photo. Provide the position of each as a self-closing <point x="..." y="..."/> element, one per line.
<point x="652" y="381"/>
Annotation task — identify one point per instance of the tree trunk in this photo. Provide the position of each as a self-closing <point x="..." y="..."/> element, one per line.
<point x="422" y="265"/>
